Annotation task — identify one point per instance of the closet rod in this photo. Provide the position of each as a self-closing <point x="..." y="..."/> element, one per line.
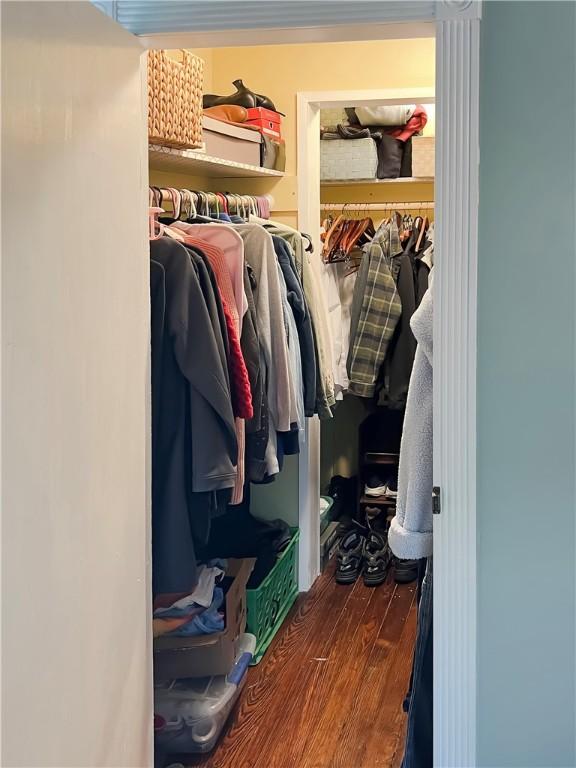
<point x="376" y="206"/>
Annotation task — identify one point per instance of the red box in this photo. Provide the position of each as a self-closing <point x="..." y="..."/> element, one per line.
<point x="269" y="122"/>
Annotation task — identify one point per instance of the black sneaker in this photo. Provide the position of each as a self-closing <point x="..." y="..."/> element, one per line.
<point x="405" y="571"/>
<point x="350" y="558"/>
<point x="377" y="557"/>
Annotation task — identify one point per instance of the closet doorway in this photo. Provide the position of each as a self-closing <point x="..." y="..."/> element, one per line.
<point x="310" y="105"/>
<point x="454" y="312"/>
<point x="456" y="97"/>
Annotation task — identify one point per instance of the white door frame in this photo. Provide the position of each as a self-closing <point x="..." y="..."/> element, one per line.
<point x="456" y="229"/>
<point x="457" y="24"/>
<point x="309" y="104"/>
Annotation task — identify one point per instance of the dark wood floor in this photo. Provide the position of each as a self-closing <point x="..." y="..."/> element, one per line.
<point x="328" y="694"/>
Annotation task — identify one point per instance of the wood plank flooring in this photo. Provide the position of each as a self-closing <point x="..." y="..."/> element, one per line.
<point x="329" y="692"/>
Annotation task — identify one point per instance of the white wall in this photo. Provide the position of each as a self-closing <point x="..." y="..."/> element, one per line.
<point x="76" y="676"/>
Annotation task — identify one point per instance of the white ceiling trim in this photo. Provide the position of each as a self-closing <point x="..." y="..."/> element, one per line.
<point x="147" y="18"/>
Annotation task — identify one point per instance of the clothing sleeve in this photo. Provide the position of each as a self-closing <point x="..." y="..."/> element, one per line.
<point x="251" y="351"/>
<point x="239" y="381"/>
<point x="303" y="324"/>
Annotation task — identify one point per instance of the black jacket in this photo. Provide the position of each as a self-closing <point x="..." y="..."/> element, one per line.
<point x="412" y="284"/>
<point x="303" y="320"/>
<point x="194" y="447"/>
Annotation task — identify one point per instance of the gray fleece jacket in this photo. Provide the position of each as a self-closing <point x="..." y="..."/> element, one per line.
<point x="410" y="534"/>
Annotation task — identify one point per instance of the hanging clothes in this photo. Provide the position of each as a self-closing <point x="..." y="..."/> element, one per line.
<point x="310" y="279"/>
<point x="412" y="283"/>
<point x="190" y="466"/>
<point x="285" y="256"/>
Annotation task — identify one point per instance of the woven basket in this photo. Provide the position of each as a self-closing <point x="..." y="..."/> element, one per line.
<point x="175" y="99"/>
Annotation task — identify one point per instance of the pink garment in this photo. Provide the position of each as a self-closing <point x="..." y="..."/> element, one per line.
<point x="240" y="382"/>
<point x="232" y="247"/>
<point x="415" y="123"/>
<point x="218" y="263"/>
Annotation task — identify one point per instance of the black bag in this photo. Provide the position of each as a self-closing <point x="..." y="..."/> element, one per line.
<point x="272" y="154"/>
<point x="394" y="157"/>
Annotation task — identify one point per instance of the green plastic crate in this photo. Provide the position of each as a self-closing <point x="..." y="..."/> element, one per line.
<point x="269" y="604"/>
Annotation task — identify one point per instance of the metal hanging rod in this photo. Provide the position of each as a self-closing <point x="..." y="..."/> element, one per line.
<point x="343" y="207"/>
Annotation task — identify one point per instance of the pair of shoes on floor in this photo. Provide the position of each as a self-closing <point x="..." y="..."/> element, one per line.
<point x="368" y="555"/>
<point x="378" y="486"/>
<point x="405" y="571"/>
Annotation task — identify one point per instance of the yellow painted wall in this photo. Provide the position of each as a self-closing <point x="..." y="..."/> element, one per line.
<point x="281" y="71"/>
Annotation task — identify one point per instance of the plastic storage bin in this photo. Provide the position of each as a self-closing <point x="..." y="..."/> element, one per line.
<point x="271" y="601"/>
<point x="191" y="713"/>
<point x="326" y="504"/>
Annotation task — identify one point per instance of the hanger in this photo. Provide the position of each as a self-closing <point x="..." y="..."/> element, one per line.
<point x="332" y="236"/>
<point x="310" y="246"/>
<point x="423" y="230"/>
<point x="176" y="197"/>
<point x="153" y="222"/>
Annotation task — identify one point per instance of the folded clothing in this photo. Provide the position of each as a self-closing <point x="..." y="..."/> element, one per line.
<point x="202" y="596"/>
<point x="394" y="114"/>
<point x="163" y="626"/>
<point x="206" y="622"/>
<point x="403" y="130"/>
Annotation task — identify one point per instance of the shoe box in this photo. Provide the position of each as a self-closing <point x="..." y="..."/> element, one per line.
<point x="268" y="122"/>
<point x="231" y="142"/>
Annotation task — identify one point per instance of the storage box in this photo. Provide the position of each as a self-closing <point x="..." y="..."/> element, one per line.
<point x="271" y="601"/>
<point x="231" y="142"/>
<point x="329" y="543"/>
<point x="326" y="504"/>
<point x="269" y="122"/>
<point x="189" y="715"/>
<point x="348" y="159"/>
<point x="205" y="655"/>
<point x="423" y="156"/>
<point x="175" y="99"/>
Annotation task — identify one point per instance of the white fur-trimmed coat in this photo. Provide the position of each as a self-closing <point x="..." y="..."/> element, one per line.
<point x="410" y="534"/>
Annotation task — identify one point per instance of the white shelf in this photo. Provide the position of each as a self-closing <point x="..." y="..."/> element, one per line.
<point x="197" y="163"/>
<point x="402" y="180"/>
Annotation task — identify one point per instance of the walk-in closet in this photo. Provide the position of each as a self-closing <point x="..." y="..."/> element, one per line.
<point x="276" y="442"/>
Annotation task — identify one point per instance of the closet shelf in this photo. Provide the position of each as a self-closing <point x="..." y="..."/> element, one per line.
<point x="197" y="163"/>
<point x="372" y="457"/>
<point x="403" y="180"/>
<point x="377" y="501"/>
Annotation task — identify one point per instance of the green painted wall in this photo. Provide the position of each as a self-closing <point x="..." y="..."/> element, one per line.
<point x="526" y="387"/>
